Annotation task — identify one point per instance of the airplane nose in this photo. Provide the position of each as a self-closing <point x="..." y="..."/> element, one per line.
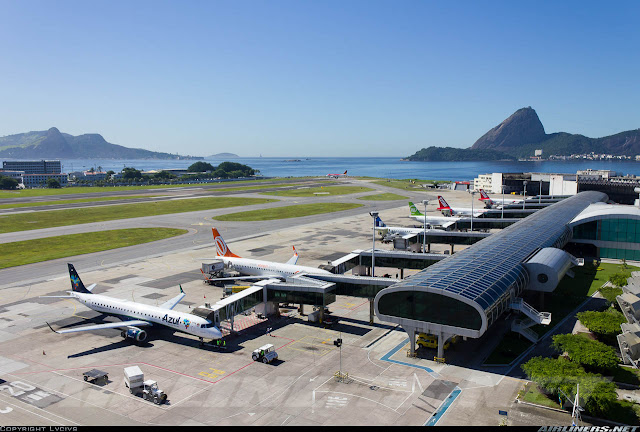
<point x="215" y="333"/>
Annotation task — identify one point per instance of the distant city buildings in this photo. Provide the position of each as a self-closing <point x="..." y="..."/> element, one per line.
<point x="34" y="173"/>
<point x="34" y="167"/>
<point x="40" y="180"/>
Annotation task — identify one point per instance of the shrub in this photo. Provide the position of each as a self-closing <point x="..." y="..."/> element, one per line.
<point x="619" y="279"/>
<point x="605" y="324"/>
<point x="587" y="352"/>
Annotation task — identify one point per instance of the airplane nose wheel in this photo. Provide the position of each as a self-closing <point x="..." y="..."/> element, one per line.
<point x="201" y="341"/>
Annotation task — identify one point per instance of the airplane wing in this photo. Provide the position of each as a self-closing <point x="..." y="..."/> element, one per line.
<point x="448" y="224"/>
<point x="103" y="326"/>
<point x="246" y="278"/>
<point x="294" y="259"/>
<point x="170" y="304"/>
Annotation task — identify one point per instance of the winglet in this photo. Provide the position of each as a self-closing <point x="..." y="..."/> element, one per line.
<point x="52" y="328"/>
<point x="294" y="259"/>
<point x="181" y="289"/>
<point x="221" y="247"/>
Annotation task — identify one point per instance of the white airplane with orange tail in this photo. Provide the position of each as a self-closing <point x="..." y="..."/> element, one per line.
<point x="258" y="269"/>
<point x="444" y="207"/>
<point x="344" y="174"/>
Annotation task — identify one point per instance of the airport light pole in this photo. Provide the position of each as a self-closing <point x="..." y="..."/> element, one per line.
<point x="472" y="199"/>
<point x="540" y="195"/>
<point x="424" y="238"/>
<point x="524" y="183"/>
<point x="374" y="215"/>
<point x="502" y="212"/>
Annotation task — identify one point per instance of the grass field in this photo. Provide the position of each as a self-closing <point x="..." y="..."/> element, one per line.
<point x="330" y="190"/>
<point x="94" y="189"/>
<point x="286" y="212"/>
<point x="242" y="188"/>
<point x="534" y="395"/>
<point x="72" y="201"/>
<point x="383" y="197"/>
<point x="31" y="251"/>
<point x="55" y="218"/>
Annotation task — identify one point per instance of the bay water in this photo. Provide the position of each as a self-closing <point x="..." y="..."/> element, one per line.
<point x="387" y="167"/>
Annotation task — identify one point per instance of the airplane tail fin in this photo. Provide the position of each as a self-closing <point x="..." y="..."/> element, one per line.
<point x="414" y="210"/>
<point x="76" y="282"/>
<point x="221" y="247"/>
<point x="379" y="223"/>
<point x="345" y="172"/>
<point x="484" y="196"/>
<point x="443" y="204"/>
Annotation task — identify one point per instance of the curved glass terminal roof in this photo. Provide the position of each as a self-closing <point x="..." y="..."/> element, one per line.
<point x="488" y="270"/>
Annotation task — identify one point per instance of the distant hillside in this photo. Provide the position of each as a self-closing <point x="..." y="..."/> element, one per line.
<point x="522" y="133"/>
<point x="444" y="154"/>
<point x="56" y="145"/>
<point x="223" y="155"/>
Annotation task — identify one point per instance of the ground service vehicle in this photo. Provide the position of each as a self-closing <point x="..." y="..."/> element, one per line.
<point x="152" y="393"/>
<point x="430" y="341"/>
<point x="266" y="354"/>
<point x="134" y="380"/>
<point x="94" y="375"/>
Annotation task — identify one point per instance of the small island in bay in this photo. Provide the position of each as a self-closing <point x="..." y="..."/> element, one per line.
<point x="223" y="155"/>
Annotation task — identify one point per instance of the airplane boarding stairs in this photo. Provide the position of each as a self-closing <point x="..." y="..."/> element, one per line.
<point x="533" y="317"/>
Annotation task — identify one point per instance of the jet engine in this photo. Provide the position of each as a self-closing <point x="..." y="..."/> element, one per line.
<point x="135" y="333"/>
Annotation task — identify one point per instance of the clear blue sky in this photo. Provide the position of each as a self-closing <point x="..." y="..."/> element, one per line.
<point x="311" y="78"/>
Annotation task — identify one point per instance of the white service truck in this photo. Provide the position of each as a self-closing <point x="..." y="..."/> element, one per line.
<point x="266" y="354"/>
<point x="134" y="380"/>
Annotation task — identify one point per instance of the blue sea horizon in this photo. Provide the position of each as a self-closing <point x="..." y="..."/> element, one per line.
<point x="387" y="167"/>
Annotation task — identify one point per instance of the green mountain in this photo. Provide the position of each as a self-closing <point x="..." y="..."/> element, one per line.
<point x="56" y="145"/>
<point x="522" y="133"/>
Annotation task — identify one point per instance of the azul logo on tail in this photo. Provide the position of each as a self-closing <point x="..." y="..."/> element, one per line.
<point x="76" y="282"/>
<point x="443" y="204"/>
<point x="221" y="247"/>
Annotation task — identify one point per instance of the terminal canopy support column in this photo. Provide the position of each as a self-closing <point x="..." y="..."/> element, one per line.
<point x="371" y="311"/>
<point x="411" y="331"/>
<point x="440" y="345"/>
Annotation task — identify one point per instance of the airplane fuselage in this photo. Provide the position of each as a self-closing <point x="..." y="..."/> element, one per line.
<point x="251" y="267"/>
<point x="435" y="220"/>
<point x="184" y="322"/>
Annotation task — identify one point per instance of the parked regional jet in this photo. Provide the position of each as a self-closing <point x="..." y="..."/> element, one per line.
<point x="137" y="314"/>
<point x="383" y="229"/>
<point x="258" y="269"/>
<point x="484" y="197"/>
<point x="459" y="211"/>
<point x="337" y="175"/>
<point x="443" y="221"/>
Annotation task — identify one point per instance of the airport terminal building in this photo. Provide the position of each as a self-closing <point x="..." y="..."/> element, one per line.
<point x="464" y="294"/>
